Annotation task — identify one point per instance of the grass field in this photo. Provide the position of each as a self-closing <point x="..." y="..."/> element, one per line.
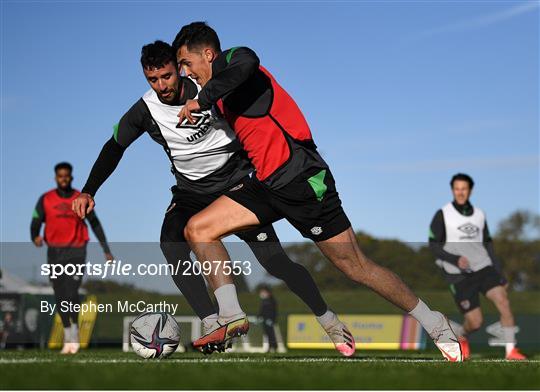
<point x="112" y="369"/>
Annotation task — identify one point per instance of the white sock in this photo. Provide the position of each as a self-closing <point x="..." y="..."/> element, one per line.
<point x="227" y="300"/>
<point x="74" y="333"/>
<point x="457" y="328"/>
<point x="209" y="321"/>
<point x="327" y="320"/>
<point x="67" y="335"/>
<point x="509" y="334"/>
<point x="426" y="317"/>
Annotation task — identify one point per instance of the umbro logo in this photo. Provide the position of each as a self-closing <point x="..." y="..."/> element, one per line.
<point x="470" y="230"/>
<point x="200" y="118"/>
<point x="316" y="230"/>
<point x="239" y="186"/>
<point x="63" y="207"/>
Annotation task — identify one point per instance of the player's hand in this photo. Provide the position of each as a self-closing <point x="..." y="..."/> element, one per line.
<point x="463" y="263"/>
<point x="83" y="205"/>
<point x="192" y="105"/>
<point x="38" y="241"/>
<point x="109" y="257"/>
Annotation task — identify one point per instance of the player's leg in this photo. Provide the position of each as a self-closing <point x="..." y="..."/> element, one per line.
<point x="266" y="247"/>
<point x="499" y="297"/>
<point x="203" y="233"/>
<point x="73" y="283"/>
<point x="311" y="203"/>
<point x="59" y="284"/>
<point x="268" y="329"/>
<point x="231" y="321"/>
<point x="177" y="253"/>
<point x="466" y="293"/>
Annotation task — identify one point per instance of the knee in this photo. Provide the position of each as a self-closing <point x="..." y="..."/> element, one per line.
<point x="197" y="231"/>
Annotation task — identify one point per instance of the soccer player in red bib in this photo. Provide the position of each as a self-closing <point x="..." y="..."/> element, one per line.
<point x="66" y="237"/>
<point x="292" y="180"/>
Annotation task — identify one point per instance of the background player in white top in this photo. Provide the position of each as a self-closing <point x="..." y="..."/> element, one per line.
<point x="459" y="237"/>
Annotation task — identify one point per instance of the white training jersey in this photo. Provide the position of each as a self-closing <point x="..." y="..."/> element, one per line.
<point x="464" y="236"/>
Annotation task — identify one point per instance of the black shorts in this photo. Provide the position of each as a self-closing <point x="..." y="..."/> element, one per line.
<point x="185" y="204"/>
<point x="64" y="256"/>
<point x="310" y="203"/>
<point x="466" y="292"/>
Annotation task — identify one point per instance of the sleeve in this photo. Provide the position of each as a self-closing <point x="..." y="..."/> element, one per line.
<point x="232" y="68"/>
<point x="437" y="239"/>
<point x="38" y="217"/>
<point x="95" y="224"/>
<point x="131" y="126"/>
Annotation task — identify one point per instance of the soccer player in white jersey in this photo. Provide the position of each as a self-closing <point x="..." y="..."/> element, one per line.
<point x="459" y="237"/>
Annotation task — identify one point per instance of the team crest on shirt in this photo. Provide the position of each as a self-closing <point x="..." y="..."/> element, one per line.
<point x="203" y="124"/>
<point x="262" y="237"/>
<point x="316" y="230"/>
<point x="466" y="304"/>
<point x="471" y="231"/>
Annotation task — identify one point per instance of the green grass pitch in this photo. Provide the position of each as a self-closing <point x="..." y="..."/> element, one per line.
<point x="113" y="369"/>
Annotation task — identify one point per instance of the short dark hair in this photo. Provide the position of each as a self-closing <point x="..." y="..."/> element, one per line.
<point x="462" y="177"/>
<point x="63" y="165"/>
<point x="195" y="35"/>
<point x="157" y="55"/>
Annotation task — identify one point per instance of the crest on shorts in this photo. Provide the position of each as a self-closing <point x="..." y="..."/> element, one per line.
<point x="466" y="304"/>
<point x="316" y="230"/>
<point x="262" y="237"/>
<point x="239" y="186"/>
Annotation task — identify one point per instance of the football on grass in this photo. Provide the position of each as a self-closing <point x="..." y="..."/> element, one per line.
<point x="154" y="335"/>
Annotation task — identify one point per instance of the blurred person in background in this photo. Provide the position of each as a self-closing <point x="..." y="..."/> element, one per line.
<point x="268" y="316"/>
<point x="66" y="237"/>
<point x="459" y="237"/>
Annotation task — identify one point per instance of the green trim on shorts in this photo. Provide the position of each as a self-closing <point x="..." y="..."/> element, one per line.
<point x="318" y="185"/>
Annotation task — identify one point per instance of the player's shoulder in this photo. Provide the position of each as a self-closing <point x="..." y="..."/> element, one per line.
<point x="479" y="211"/>
<point x="228" y="54"/>
<point x="149" y="95"/>
<point x="447" y="207"/>
<point x="49" y="193"/>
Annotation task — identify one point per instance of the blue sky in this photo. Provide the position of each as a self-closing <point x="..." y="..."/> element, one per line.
<point x="399" y="96"/>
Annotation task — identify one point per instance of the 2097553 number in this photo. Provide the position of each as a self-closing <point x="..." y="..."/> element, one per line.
<point x="208" y="267"/>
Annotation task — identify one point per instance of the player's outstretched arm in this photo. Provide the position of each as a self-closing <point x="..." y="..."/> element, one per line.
<point x="107" y="161"/>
